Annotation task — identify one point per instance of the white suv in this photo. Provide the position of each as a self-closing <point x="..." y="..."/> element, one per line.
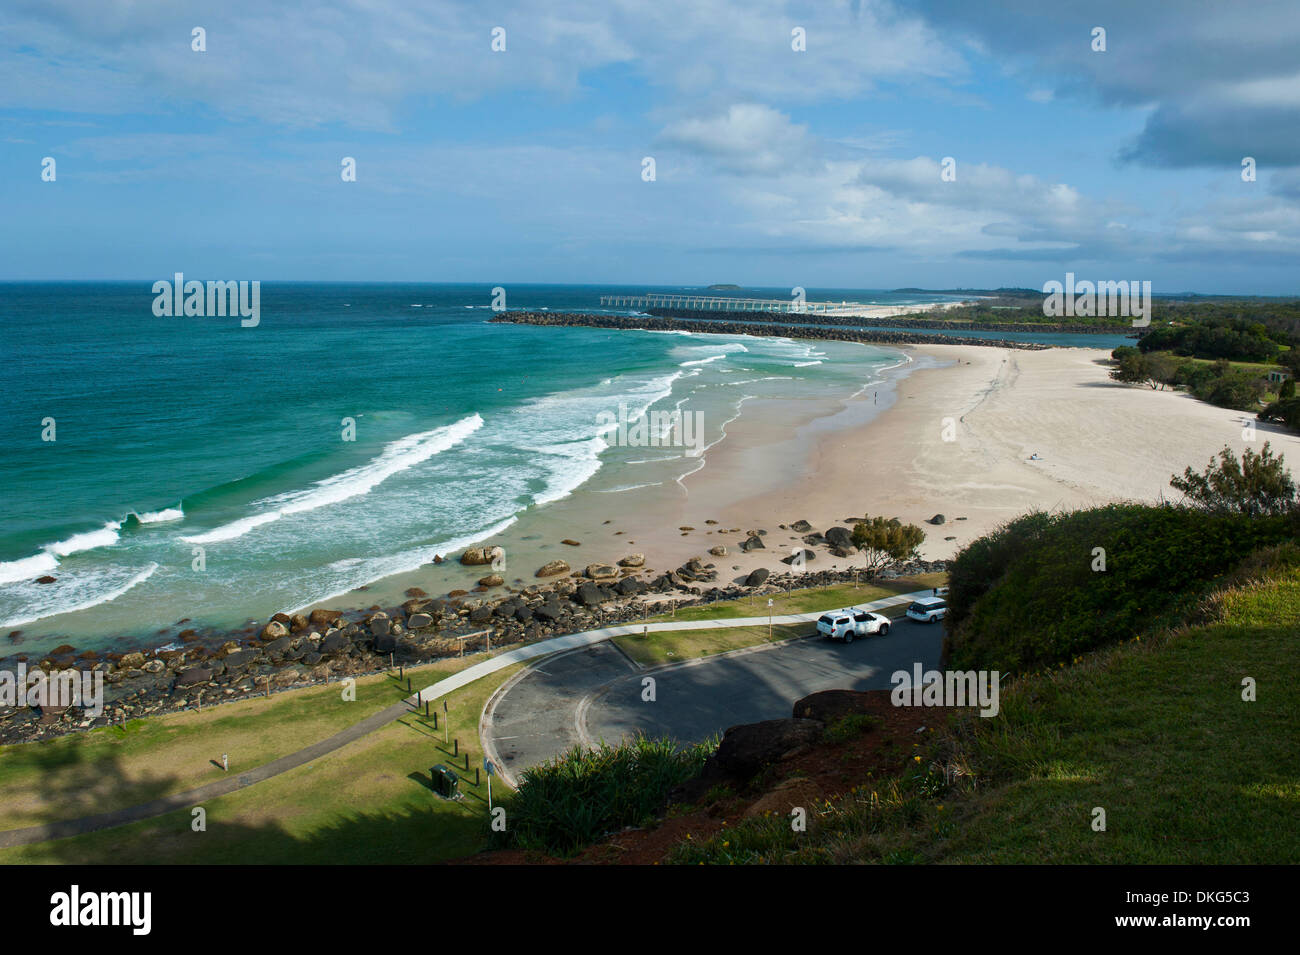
<point x="852" y="622"/>
<point x="928" y="609"/>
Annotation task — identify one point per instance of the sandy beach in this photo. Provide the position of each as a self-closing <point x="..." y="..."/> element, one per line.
<point x="1097" y="441"/>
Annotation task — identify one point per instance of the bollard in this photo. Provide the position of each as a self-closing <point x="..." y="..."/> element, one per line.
<point x="476" y="771"/>
<point x="455" y="747"/>
<point x="426" y="713"/>
<point x="409" y="689"/>
<point x="435" y="715"/>
<point x="467" y="766"/>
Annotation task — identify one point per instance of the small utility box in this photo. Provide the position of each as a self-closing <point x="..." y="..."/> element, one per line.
<point x="445" y="781"/>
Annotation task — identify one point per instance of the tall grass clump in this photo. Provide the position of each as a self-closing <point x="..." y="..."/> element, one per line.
<point x="571" y="801"/>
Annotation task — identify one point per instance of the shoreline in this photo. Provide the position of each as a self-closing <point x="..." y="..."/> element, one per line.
<point x="866" y="457"/>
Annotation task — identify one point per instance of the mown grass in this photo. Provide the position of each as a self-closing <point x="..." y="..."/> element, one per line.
<point x="369" y="802"/>
<point x="671" y="646"/>
<point x="1155" y="732"/>
<point x="114" y="767"/>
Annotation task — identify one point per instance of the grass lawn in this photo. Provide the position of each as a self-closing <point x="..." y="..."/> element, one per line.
<point x="806" y="601"/>
<point x="674" y="645"/>
<point x="95" y="772"/>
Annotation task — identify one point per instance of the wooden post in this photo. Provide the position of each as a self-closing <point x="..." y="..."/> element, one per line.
<point x="268" y="686"/>
<point x="476" y="769"/>
<point x="456" y="747"/>
<point x="467" y="767"/>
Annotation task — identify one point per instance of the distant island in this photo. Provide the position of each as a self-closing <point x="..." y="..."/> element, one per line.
<point x="723" y="288"/>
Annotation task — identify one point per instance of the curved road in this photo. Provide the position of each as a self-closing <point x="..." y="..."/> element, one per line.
<point x="596" y="693"/>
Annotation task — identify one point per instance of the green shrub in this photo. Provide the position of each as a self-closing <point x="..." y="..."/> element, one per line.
<point x="850" y="726"/>
<point x="571" y="801"/>
<point x="1027" y="597"/>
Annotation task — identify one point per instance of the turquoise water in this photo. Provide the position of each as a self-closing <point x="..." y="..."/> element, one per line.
<point x="180" y="439"/>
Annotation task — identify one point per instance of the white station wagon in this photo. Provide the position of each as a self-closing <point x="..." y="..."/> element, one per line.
<point x="852" y="622"/>
<point x="928" y="609"/>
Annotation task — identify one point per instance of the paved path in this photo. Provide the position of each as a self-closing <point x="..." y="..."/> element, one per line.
<point x="228" y="784"/>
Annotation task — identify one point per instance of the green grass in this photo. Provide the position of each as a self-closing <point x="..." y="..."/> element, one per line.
<point x="111" y="767"/>
<point x="674" y="645"/>
<point x="1154" y="731"/>
<point x="368" y="802"/>
<point x="808" y="600"/>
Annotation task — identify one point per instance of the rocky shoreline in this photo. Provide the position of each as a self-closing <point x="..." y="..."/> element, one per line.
<point x="323" y="646"/>
<point x="907" y="321"/>
<point x="751" y="326"/>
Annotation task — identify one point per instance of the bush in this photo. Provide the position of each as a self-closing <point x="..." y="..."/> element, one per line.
<point x="1258" y="484"/>
<point x="1027" y="596"/>
<point x="1286" y="411"/>
<point x="571" y="801"/>
<point x="883" y="541"/>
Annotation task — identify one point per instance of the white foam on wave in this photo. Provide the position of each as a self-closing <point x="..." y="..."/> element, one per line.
<point x="397" y="456"/>
<point x="12" y="571"/>
<point x="106" y="536"/>
<point x="352" y="572"/>
<point x="73" y="593"/>
<point x="160" y="517"/>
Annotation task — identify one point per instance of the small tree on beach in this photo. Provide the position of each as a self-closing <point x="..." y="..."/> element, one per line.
<point x="883" y="541"/>
<point x="1258" y="484"/>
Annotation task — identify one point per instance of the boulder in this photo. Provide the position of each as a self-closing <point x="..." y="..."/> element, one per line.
<point x="193" y="676"/>
<point x="323" y="618"/>
<point x="757" y="577"/>
<point x="380" y="625"/>
<point x="553" y="569"/>
<point x="839" y="537"/>
<point x="334" y="643"/>
<point x="298" y="622"/>
<point x="747" y="748"/>
<point x="601" y="571"/>
<point x="418" y="621"/>
<point x="936" y="520"/>
<point x="753" y="543"/>
<point x="154" y="666"/>
<point x="831" y="705"/>
<point x="718" y="551"/>
<point x="276" y="649"/>
<point x="274" y="630"/>
<point x="491" y="580"/>
<point x="589" y="595"/>
<point x="804" y="552"/>
<point x="131" y="661"/>
<point x="633" y="560"/>
<point x="478" y="556"/>
<point x="385" y="642"/>
<point x="549" y="612"/>
<point x="801" y="527"/>
<point x="238" y="659"/>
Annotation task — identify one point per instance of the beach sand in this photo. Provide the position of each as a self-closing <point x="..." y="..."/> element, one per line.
<point x="1097" y="441"/>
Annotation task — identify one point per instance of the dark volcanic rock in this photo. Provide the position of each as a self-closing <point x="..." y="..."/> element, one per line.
<point x="757" y="576"/>
<point x="746" y="749"/>
<point x="193" y="676"/>
<point x="830" y="705"/>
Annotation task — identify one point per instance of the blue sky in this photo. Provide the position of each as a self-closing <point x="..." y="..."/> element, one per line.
<point x="774" y="167"/>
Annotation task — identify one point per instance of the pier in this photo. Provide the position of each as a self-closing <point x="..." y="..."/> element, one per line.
<point x="719" y="303"/>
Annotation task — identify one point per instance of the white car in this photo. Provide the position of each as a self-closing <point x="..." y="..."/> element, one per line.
<point x="928" y="609"/>
<point x="852" y="622"/>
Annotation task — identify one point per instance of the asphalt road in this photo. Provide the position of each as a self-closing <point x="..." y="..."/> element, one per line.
<point x="596" y="693"/>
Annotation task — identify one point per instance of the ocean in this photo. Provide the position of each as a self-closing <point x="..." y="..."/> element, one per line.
<point x="209" y="472"/>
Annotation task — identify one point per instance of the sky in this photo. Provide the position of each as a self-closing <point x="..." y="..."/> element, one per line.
<point x="793" y="144"/>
